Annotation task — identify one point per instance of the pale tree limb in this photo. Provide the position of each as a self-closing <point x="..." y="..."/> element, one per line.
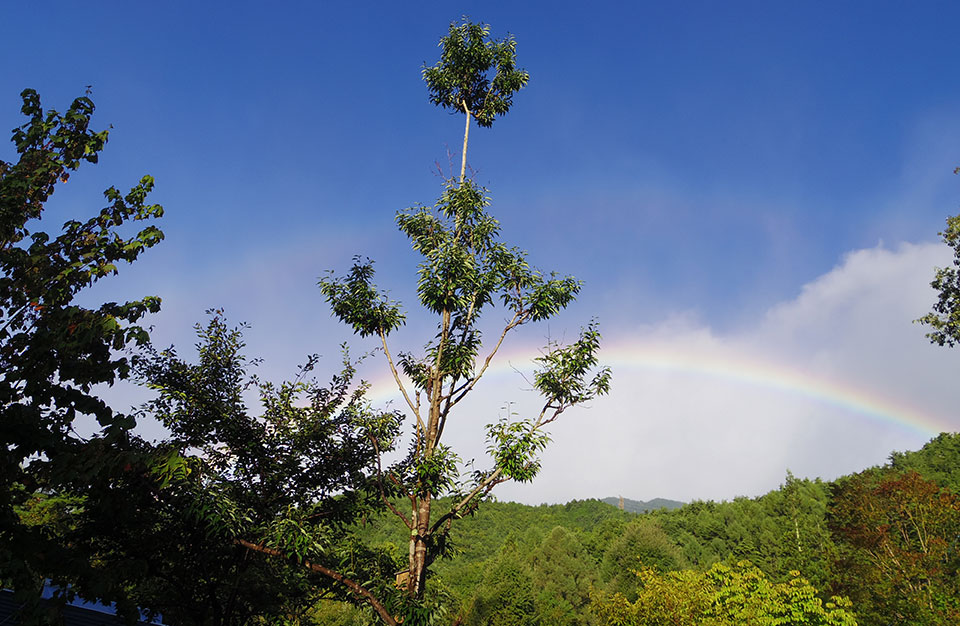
<point x="446" y="409"/>
<point x="557" y="410"/>
<point x="356" y="588"/>
<point x="468" y="385"/>
<point x="396" y="376"/>
<point x="410" y="496"/>
<point x="486" y="486"/>
<point x="453" y="382"/>
<point x="466" y="136"/>
<point x="436" y="387"/>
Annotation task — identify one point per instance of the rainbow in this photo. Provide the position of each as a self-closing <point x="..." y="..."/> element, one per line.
<point x="747" y="370"/>
<point x="739" y="369"/>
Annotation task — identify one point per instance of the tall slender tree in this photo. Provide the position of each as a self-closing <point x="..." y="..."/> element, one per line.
<point x="465" y="270"/>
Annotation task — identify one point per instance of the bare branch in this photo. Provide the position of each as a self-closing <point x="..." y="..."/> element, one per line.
<point x="383" y="494"/>
<point x="446" y="409"/>
<point x="516" y="321"/>
<point x="466" y="136"/>
<point x="435" y="393"/>
<point x="410" y="496"/>
<point x="453" y="383"/>
<point x="557" y="410"/>
<point x="495" y="478"/>
<point x="485" y="487"/>
<point x="356" y="588"/>
<point x="396" y="377"/>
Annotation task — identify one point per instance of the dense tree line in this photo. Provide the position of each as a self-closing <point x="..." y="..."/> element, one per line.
<point x="822" y="543"/>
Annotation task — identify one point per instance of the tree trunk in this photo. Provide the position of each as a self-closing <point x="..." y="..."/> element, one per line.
<point x="418" y="549"/>
<point x="420" y="536"/>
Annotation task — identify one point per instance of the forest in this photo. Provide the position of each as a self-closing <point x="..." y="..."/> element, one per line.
<point x="310" y="504"/>
<point x="879" y="545"/>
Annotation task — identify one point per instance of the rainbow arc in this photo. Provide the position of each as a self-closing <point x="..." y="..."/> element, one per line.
<point x="739" y="369"/>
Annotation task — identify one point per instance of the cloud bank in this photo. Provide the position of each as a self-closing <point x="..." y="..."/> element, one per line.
<point x="825" y="384"/>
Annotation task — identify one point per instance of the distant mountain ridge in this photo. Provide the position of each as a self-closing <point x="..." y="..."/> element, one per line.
<point x="639" y="506"/>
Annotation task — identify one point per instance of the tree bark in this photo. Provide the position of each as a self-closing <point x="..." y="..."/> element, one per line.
<point x="418" y="571"/>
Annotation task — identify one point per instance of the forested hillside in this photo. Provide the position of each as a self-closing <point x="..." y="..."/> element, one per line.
<point x="639" y="506"/>
<point x="884" y="538"/>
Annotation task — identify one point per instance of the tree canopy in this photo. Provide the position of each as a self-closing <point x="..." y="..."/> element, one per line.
<point x="945" y="317"/>
<point x="53" y="351"/>
<point x="476" y="75"/>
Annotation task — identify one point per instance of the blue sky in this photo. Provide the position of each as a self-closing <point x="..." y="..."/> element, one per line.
<point x="719" y="175"/>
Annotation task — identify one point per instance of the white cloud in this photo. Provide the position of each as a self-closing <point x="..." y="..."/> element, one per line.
<point x="699" y="415"/>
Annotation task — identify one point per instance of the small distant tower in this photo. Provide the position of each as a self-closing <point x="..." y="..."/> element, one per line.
<point x="620" y="505"/>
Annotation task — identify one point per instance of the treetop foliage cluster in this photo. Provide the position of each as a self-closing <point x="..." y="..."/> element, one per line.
<point x="461" y="79"/>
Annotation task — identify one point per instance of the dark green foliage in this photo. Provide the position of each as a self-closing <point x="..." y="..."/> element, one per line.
<point x="53" y="351"/>
<point x="561" y="547"/>
<point x="642" y="543"/>
<point x="563" y="575"/>
<point x="290" y="481"/>
<point x="475" y="538"/>
<point x="462" y="79"/>
<point x="781" y="531"/>
<point x="506" y="595"/>
<point x="938" y="460"/>
<point x="308" y="444"/>
<point x="357" y="303"/>
<point x="945" y="317"/>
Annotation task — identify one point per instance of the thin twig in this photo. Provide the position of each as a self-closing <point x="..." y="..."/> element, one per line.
<point x="516" y="321"/>
<point x="383" y="494"/>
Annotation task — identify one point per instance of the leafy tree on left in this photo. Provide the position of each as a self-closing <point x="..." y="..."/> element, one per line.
<point x="289" y="476"/>
<point x="52" y="350"/>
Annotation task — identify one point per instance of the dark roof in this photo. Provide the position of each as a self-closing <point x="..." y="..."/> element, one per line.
<point x="72" y="615"/>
